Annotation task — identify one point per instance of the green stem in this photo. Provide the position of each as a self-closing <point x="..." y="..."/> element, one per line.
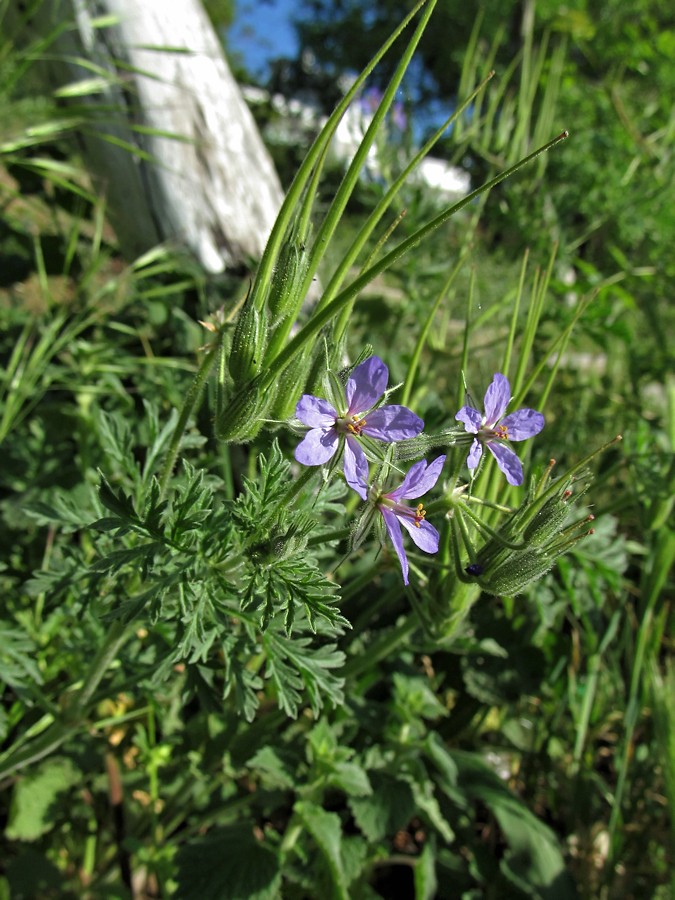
<point x="191" y="399"/>
<point x="297" y="486"/>
<point x="382" y="648"/>
<point x="350" y="180"/>
<point x="338" y="535"/>
<point x="426" y="328"/>
<point x="116" y="636"/>
<point x="590" y="692"/>
<point x="462" y="598"/>
<point x="288" y="207"/>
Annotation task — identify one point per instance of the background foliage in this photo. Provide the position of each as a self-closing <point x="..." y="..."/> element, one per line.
<point x="241" y="739"/>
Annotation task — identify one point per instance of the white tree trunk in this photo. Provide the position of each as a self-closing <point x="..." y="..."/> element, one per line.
<point x="207" y="180"/>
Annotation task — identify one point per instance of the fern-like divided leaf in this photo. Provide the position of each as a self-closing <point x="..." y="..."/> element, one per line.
<point x="17" y="658"/>
<point x="286" y="586"/>
<point x="261" y="506"/>
<point x="294" y="663"/>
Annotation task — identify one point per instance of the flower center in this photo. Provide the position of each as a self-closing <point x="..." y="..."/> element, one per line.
<point x="352" y="425"/>
<point x="417" y="514"/>
<point x="498" y="432"/>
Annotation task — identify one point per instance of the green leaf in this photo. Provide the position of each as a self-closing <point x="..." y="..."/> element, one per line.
<point x="17" y="658"/>
<point x="228" y="864"/>
<point x="292" y="664"/>
<point x="388" y="808"/>
<point x="351" y="778"/>
<point x="37" y="801"/>
<point x="534" y="862"/>
<point x="120" y="558"/>
<point x="326" y="830"/>
<point x="425" y="874"/>
<point x="331" y="762"/>
<point x="289" y="584"/>
<point x="355" y="854"/>
<point x="426" y="802"/>
<point x="446" y="768"/>
<point x="63" y="510"/>
<point x="239" y="679"/>
<point x="114" y="433"/>
<point x="277" y="770"/>
<point x="117" y="503"/>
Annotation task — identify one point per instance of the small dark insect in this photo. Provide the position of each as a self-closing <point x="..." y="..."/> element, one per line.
<point x="474" y="569"/>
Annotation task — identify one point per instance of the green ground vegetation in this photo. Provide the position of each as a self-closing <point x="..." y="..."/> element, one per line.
<point x="204" y="693"/>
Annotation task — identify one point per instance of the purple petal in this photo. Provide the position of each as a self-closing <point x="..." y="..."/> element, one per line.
<point x="366" y="385"/>
<point x="356" y="467"/>
<point x="497" y="399"/>
<point x="471" y="417"/>
<point x="317" y="447"/>
<point x="392" y="423"/>
<point x="420" y="479"/>
<point x="475" y="454"/>
<point x="315" y="412"/>
<point x="507" y="461"/>
<point x="425" y="536"/>
<point x="522" y="424"/>
<point x="394" y="529"/>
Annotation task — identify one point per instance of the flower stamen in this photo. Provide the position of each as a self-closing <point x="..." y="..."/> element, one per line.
<point x="420" y="513"/>
<point x="356" y="425"/>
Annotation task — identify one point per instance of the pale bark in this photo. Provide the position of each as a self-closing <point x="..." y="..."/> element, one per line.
<point x="210" y="183"/>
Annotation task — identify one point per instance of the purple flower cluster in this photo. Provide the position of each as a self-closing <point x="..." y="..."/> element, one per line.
<point x="361" y="418"/>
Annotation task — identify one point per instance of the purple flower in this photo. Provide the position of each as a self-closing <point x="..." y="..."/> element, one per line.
<point x="491" y="430"/>
<point x="371" y="99"/>
<point x="420" y="479"/>
<point x="398" y="117"/>
<point x="329" y="428"/>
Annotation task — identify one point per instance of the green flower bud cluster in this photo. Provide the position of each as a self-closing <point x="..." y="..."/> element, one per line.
<point x="246" y="398"/>
<point x="529" y="542"/>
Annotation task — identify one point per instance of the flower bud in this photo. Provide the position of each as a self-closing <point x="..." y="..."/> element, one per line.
<point x="248" y="344"/>
<point x="243" y="416"/>
<point x="515" y="572"/>
<point x="529" y="542"/>
<point x="291" y="384"/>
<point x="548" y="521"/>
<point x="287" y="280"/>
